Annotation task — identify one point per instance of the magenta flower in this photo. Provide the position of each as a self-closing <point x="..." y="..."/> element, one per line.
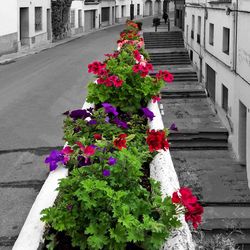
<point x="148" y="114"/>
<point x="112" y="161"/>
<point x="106" y="172"/>
<point x="110" y="109"/>
<point x="54" y="159"/>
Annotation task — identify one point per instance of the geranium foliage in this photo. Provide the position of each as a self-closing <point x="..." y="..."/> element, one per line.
<point x="108" y="201"/>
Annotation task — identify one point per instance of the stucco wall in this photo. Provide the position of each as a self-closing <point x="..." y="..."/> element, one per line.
<point x="236" y="81"/>
<point x="45" y="4"/>
<point x="8" y="17"/>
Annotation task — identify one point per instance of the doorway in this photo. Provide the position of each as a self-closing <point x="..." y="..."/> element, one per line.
<point x="24" y="26"/>
<point x="242" y="135"/>
<point x="210" y="82"/>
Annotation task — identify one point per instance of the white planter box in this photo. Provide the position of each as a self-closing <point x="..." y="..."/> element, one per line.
<point x="161" y="169"/>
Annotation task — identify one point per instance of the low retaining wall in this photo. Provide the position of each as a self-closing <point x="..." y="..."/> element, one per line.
<point x="161" y="169"/>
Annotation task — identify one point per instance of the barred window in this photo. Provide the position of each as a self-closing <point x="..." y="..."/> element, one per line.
<point x="38" y="18"/>
<point x="105" y="14"/>
<point x="72" y="18"/>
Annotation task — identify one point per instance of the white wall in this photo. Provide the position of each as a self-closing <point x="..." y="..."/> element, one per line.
<point x="237" y="82"/>
<point x="8" y="17"/>
<point x="41" y="36"/>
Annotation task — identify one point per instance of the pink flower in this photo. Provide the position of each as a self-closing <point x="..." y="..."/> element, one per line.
<point x="165" y="75"/>
<point x="96" y="67"/>
<point x="89" y="150"/>
<point x="67" y="150"/>
<point x="156" y="98"/>
<point x="79" y="144"/>
<point x="137" y="55"/>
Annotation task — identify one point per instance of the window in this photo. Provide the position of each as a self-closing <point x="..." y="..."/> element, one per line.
<point x="226" y="40"/>
<point x="38" y="18"/>
<point x="72" y="18"/>
<point x="192" y="30"/>
<point x="79" y="18"/>
<point x="191" y="55"/>
<point x="224" y="98"/>
<point x="199" y="30"/>
<point x="211" y="34"/>
<point x="123" y="10"/>
<point x="138" y="9"/>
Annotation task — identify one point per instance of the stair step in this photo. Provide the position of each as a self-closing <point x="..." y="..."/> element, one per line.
<point x="183" y="94"/>
<point x="199" y="136"/>
<point x="193" y="145"/>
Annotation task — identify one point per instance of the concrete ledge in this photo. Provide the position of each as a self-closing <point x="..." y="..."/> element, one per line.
<point x="161" y="169"/>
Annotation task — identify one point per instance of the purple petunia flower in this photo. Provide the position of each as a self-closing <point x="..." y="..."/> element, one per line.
<point x="110" y="109"/>
<point x="173" y="127"/>
<point x="106" y="172"/>
<point x="54" y="159"/>
<point x="147" y="113"/>
<point x="83" y="161"/>
<point x="92" y="122"/>
<point x="107" y="119"/>
<point x="79" y="114"/>
<point x="112" y="161"/>
<point x="120" y="123"/>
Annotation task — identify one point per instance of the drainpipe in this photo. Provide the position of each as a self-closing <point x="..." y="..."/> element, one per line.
<point x="235" y="44"/>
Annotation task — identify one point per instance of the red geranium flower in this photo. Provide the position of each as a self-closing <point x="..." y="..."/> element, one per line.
<point x="137" y="55"/>
<point x="120" y="142"/>
<point x="165" y="75"/>
<point x="98" y="136"/>
<point x="89" y="150"/>
<point x="193" y="210"/>
<point x="156" y="140"/>
<point x="96" y="67"/>
<point x="156" y="98"/>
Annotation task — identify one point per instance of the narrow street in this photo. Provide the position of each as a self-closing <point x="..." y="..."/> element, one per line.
<point x="34" y="92"/>
<point x="200" y="149"/>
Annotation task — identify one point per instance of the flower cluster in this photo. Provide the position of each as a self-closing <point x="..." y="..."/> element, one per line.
<point x="165" y="75"/>
<point x="143" y="68"/>
<point x="96" y="68"/>
<point x="193" y="210"/>
<point x="156" y="140"/>
<point x="120" y="142"/>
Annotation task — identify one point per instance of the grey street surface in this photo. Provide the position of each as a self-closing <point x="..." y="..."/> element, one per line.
<point x="34" y="92"/>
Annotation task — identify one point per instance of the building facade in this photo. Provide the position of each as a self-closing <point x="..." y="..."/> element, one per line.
<point x="8" y="31"/>
<point x="34" y="22"/>
<point x="217" y="37"/>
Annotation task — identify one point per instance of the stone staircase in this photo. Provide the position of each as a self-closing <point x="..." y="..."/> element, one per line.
<point x="163" y="40"/>
<point x="200" y="149"/>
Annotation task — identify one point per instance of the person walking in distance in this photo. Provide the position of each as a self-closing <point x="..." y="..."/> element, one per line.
<point x="165" y="17"/>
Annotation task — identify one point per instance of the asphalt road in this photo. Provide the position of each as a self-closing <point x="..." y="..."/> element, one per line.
<point x="34" y="92"/>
